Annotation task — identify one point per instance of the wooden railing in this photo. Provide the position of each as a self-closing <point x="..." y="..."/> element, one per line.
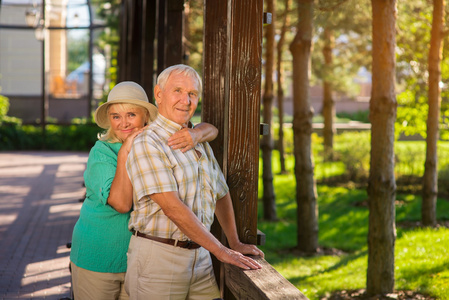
<point x="265" y="283"/>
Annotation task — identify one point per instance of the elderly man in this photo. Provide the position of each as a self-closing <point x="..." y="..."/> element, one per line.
<point x="176" y="194"/>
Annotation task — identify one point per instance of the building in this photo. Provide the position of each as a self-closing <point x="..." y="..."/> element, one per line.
<point x="34" y="45"/>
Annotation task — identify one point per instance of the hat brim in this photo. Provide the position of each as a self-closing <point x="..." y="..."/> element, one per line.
<point x="101" y="117"/>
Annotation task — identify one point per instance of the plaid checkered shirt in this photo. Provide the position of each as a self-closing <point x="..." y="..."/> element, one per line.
<point x="156" y="168"/>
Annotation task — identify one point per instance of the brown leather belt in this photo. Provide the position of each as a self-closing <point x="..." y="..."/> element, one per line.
<point x="182" y="244"/>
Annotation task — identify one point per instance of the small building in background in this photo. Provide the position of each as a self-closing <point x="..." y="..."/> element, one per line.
<point x="30" y="52"/>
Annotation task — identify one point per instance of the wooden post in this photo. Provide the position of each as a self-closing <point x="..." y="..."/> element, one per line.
<point x="148" y="35"/>
<point x="231" y="101"/>
<point x="130" y="56"/>
<point x="170" y="32"/>
<point x="137" y="36"/>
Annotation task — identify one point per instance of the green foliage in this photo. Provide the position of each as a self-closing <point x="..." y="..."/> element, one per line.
<point x="349" y="24"/>
<point x="78" y="51"/>
<point x="410" y="157"/>
<point x="360" y="116"/>
<point x="413" y="39"/>
<point x="420" y="254"/>
<point x="411" y="115"/>
<point x="352" y="157"/>
<point x="353" y="150"/>
<point x="76" y="137"/>
<point x="4" y="106"/>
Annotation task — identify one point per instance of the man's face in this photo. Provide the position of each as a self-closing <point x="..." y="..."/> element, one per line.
<point x="179" y="99"/>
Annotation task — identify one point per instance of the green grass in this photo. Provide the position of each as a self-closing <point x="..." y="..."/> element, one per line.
<point x="421" y="259"/>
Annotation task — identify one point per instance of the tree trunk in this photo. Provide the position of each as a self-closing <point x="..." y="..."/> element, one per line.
<point x="269" y="204"/>
<point x="430" y="179"/>
<point x="328" y="100"/>
<point x="306" y="196"/>
<point x="280" y="90"/>
<point x="382" y="184"/>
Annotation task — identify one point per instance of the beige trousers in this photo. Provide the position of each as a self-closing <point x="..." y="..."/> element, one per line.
<point x="159" y="271"/>
<point x="89" y="285"/>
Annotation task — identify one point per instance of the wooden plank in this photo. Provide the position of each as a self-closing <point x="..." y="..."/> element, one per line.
<point x="265" y="283"/>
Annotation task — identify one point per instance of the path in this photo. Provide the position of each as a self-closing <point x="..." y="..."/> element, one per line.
<point x="39" y="205"/>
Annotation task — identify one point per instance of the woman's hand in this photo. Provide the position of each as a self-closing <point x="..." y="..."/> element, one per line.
<point x="187" y="138"/>
<point x="128" y="142"/>
<point x="184" y="139"/>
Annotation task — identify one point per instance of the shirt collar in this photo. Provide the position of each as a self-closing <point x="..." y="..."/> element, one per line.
<point x="169" y="125"/>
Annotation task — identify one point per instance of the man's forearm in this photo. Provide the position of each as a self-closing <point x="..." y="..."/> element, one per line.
<point x="225" y="215"/>
<point x="186" y="221"/>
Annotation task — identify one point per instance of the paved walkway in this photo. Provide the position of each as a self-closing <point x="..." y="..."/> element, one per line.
<point x="39" y="205"/>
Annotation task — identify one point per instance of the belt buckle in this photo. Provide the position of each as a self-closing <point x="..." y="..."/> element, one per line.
<point x="189" y="244"/>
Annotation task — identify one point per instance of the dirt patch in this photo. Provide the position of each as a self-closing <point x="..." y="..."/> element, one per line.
<point x="361" y="294"/>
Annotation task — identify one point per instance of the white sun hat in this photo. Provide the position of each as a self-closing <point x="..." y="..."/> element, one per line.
<point x="125" y="92"/>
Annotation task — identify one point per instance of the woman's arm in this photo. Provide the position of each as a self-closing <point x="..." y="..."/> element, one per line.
<point x="187" y="138"/>
<point x="121" y="192"/>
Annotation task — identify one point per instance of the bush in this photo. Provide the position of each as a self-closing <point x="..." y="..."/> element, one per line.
<point x="361" y="116"/>
<point x="353" y="149"/>
<point x="4" y="107"/>
<point x="75" y="137"/>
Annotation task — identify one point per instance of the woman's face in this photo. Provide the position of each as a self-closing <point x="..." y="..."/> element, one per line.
<point x="125" y="120"/>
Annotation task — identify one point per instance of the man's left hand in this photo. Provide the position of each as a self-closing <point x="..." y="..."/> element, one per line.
<point x="248" y="249"/>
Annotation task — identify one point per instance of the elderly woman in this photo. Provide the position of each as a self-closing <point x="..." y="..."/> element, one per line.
<point x="101" y="236"/>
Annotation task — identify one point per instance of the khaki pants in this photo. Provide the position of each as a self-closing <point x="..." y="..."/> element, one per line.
<point x="160" y="271"/>
<point x="89" y="285"/>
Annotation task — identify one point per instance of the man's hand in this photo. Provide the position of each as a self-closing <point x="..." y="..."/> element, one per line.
<point x="232" y="257"/>
<point x="247" y="249"/>
<point x="184" y="139"/>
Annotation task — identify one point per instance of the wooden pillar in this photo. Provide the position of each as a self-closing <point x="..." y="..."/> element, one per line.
<point x="170" y="32"/>
<point x="231" y="101"/>
<point x="130" y="41"/>
<point x="136" y="51"/>
<point x="161" y="28"/>
<point x="148" y="35"/>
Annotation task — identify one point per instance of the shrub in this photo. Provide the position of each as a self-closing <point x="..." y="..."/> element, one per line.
<point x="361" y="116"/>
<point x="353" y="149"/>
<point x="75" y="137"/>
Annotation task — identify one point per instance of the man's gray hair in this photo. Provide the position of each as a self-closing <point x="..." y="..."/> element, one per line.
<point x="179" y="69"/>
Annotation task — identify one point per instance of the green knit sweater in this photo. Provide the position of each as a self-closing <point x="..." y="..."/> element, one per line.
<point x="101" y="236"/>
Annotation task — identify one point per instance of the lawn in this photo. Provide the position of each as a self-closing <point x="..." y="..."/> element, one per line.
<point x="421" y="255"/>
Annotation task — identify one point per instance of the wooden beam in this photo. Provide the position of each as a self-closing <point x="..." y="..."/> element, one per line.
<point x="242" y="94"/>
<point x="174" y="32"/>
<point x="161" y="33"/>
<point x="130" y="55"/>
<point x="149" y="35"/>
<point x="213" y="108"/>
<point x="170" y="31"/>
<point x="265" y="283"/>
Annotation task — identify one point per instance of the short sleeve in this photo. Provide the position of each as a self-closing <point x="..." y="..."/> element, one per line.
<point x="149" y="168"/>
<point x="100" y="171"/>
